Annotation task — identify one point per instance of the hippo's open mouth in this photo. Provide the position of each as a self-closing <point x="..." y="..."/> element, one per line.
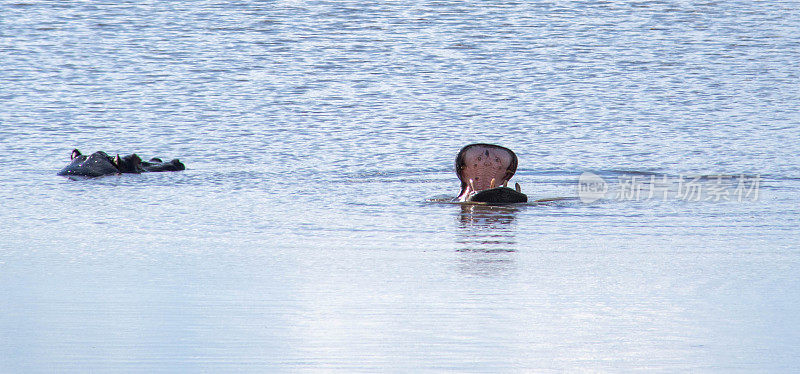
<point x="484" y="166"/>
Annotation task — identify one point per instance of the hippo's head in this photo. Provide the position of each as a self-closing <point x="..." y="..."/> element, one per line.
<point x="484" y="166"/>
<point x="128" y="164"/>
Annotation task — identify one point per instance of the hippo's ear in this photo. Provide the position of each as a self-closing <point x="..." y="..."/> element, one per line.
<point x="75" y="154"/>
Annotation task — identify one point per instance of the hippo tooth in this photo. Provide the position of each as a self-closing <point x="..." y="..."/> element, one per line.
<point x="517" y="187"/>
<point x="505" y="183"/>
<point x="491" y="184"/>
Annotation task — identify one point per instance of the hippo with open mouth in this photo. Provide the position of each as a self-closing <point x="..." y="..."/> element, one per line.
<point x="484" y="171"/>
<point x="99" y="163"/>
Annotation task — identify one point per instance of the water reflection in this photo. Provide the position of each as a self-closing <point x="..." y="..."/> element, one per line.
<point x="486" y="238"/>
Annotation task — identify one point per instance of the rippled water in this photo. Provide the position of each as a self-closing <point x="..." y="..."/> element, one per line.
<point x="306" y="234"/>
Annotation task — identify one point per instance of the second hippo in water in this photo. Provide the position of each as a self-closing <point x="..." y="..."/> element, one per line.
<point x="484" y="171"/>
<point x="99" y="163"/>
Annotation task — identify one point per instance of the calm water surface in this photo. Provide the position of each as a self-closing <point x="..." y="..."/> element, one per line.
<point x="305" y="234"/>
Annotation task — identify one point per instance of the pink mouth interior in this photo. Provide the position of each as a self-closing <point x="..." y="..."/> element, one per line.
<point x="481" y="164"/>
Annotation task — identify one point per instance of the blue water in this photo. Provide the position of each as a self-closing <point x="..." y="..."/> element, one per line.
<point x="308" y="232"/>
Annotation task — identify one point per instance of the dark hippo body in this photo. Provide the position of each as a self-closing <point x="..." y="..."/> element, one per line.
<point x="484" y="171"/>
<point x="498" y="195"/>
<point x="100" y="163"/>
